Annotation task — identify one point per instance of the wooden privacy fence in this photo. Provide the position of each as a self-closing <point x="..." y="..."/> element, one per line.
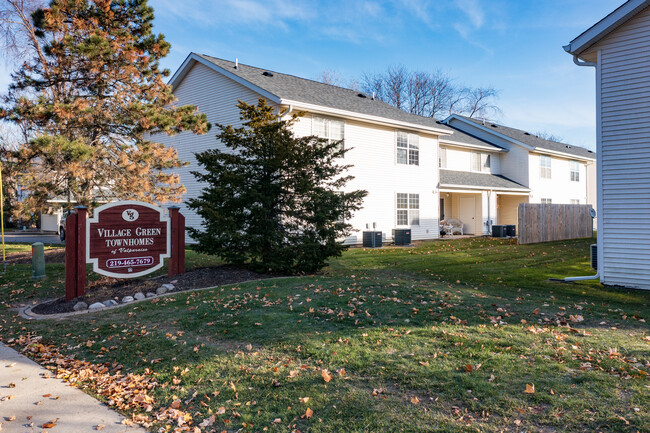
<point x="554" y="222"/>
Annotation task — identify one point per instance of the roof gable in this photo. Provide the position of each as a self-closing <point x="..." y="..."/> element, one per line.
<point x="526" y="139"/>
<point x="289" y="89"/>
<point x="605" y="26"/>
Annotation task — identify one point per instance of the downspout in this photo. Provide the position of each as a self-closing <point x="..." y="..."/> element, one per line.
<point x="289" y="110"/>
<point x="579" y="62"/>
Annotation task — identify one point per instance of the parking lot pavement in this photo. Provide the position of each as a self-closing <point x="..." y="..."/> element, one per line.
<point x="31" y="237"/>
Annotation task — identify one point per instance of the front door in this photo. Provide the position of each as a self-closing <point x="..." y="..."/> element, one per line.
<point x="467" y="214"/>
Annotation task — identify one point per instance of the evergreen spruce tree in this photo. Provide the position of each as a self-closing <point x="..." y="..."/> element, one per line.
<point x="89" y="99"/>
<point x="273" y="201"/>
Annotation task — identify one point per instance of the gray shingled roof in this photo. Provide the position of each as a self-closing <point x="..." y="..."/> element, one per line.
<point x="460" y="136"/>
<point x="479" y="180"/>
<point x="313" y="92"/>
<point x="533" y="140"/>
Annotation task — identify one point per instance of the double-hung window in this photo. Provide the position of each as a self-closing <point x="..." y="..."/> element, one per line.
<point x="408" y="209"/>
<point x="575" y="171"/>
<point x="545" y="167"/>
<point x="408" y="148"/>
<point x="481" y="162"/>
<point x="546" y="201"/>
<point x="329" y="129"/>
<point x="574" y="201"/>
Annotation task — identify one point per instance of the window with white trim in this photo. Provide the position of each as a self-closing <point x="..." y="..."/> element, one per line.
<point x="442" y="157"/>
<point x="329" y="129"/>
<point x="481" y="162"/>
<point x="546" y="201"/>
<point x="408" y="209"/>
<point x="545" y="167"/>
<point x="574" y="201"/>
<point x="575" y="171"/>
<point x="408" y="148"/>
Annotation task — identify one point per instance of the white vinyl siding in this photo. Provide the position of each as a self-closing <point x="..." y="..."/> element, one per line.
<point x="329" y="129"/>
<point x="545" y="167"/>
<point x="408" y="148"/>
<point x="408" y="209"/>
<point x="623" y="80"/>
<point x="574" y="166"/>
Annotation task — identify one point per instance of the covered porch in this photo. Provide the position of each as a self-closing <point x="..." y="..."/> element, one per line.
<point x="479" y="200"/>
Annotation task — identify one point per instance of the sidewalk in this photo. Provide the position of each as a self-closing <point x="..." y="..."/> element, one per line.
<point x="75" y="411"/>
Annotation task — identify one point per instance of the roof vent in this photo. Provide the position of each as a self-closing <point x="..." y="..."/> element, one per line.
<point x="236" y="63"/>
<point x="267" y="74"/>
<point x="494" y="126"/>
<point x="526" y="133"/>
<point x="568" y="147"/>
<point x="361" y="95"/>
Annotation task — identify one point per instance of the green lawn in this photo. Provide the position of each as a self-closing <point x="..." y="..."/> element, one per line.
<point x="442" y="337"/>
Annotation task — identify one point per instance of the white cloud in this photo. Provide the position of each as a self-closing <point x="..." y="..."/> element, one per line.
<point x="473" y="10"/>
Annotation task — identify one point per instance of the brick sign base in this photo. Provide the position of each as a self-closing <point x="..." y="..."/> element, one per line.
<point x="123" y="240"/>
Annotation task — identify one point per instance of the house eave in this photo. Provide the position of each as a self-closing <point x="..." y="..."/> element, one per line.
<point x="479" y="188"/>
<point x="471" y="146"/>
<point x="483" y="128"/>
<point x="319" y="109"/>
<point x="605" y="26"/>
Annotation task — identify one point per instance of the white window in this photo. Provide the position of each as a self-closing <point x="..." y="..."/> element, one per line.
<point x="546" y="201"/>
<point x="408" y="148"/>
<point x="545" y="167"/>
<point x="574" y="201"/>
<point x="575" y="171"/>
<point x="442" y="157"/>
<point x="329" y="129"/>
<point x="408" y="209"/>
<point x="481" y="162"/>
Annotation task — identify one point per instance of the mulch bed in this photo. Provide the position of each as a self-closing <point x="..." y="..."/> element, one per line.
<point x="110" y="288"/>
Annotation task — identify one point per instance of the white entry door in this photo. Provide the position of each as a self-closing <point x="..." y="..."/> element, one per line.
<point x="467" y="214"/>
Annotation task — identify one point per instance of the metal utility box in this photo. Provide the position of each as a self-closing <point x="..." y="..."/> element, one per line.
<point x="498" y="231"/>
<point x="511" y="230"/>
<point x="372" y="239"/>
<point x="402" y="236"/>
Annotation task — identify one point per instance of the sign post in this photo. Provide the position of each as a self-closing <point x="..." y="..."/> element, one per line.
<point x="124" y="239"/>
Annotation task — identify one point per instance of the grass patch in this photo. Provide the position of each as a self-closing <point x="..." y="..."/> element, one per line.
<point x="441" y="337"/>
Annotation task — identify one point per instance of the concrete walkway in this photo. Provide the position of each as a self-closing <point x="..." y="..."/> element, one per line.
<point x="76" y="411"/>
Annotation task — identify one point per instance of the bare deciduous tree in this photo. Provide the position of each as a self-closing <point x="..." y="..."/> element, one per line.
<point x="430" y="94"/>
<point x="17" y="33"/>
<point x="549" y="136"/>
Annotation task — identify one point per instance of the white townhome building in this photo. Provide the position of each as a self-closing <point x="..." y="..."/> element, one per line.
<point x="491" y="168"/>
<point x="618" y="47"/>
<point x="396" y="156"/>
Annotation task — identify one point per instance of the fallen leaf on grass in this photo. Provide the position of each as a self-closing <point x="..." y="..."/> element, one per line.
<point x="277" y="421"/>
<point x="207" y="422"/>
<point x="341" y="372"/>
<point x="309" y="413"/>
<point x="326" y="376"/>
<point x="304" y="399"/>
<point x="221" y="410"/>
<point x="232" y="386"/>
<point x="530" y="389"/>
<point x="176" y="404"/>
<point x="415" y="400"/>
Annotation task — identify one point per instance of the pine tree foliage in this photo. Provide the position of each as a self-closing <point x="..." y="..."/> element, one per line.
<point x="90" y="100"/>
<point x="273" y="200"/>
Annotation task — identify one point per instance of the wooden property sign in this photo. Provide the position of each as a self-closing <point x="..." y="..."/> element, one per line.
<point x="125" y="239"/>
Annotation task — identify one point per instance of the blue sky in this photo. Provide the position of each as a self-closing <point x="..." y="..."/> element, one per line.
<point x="512" y="45"/>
